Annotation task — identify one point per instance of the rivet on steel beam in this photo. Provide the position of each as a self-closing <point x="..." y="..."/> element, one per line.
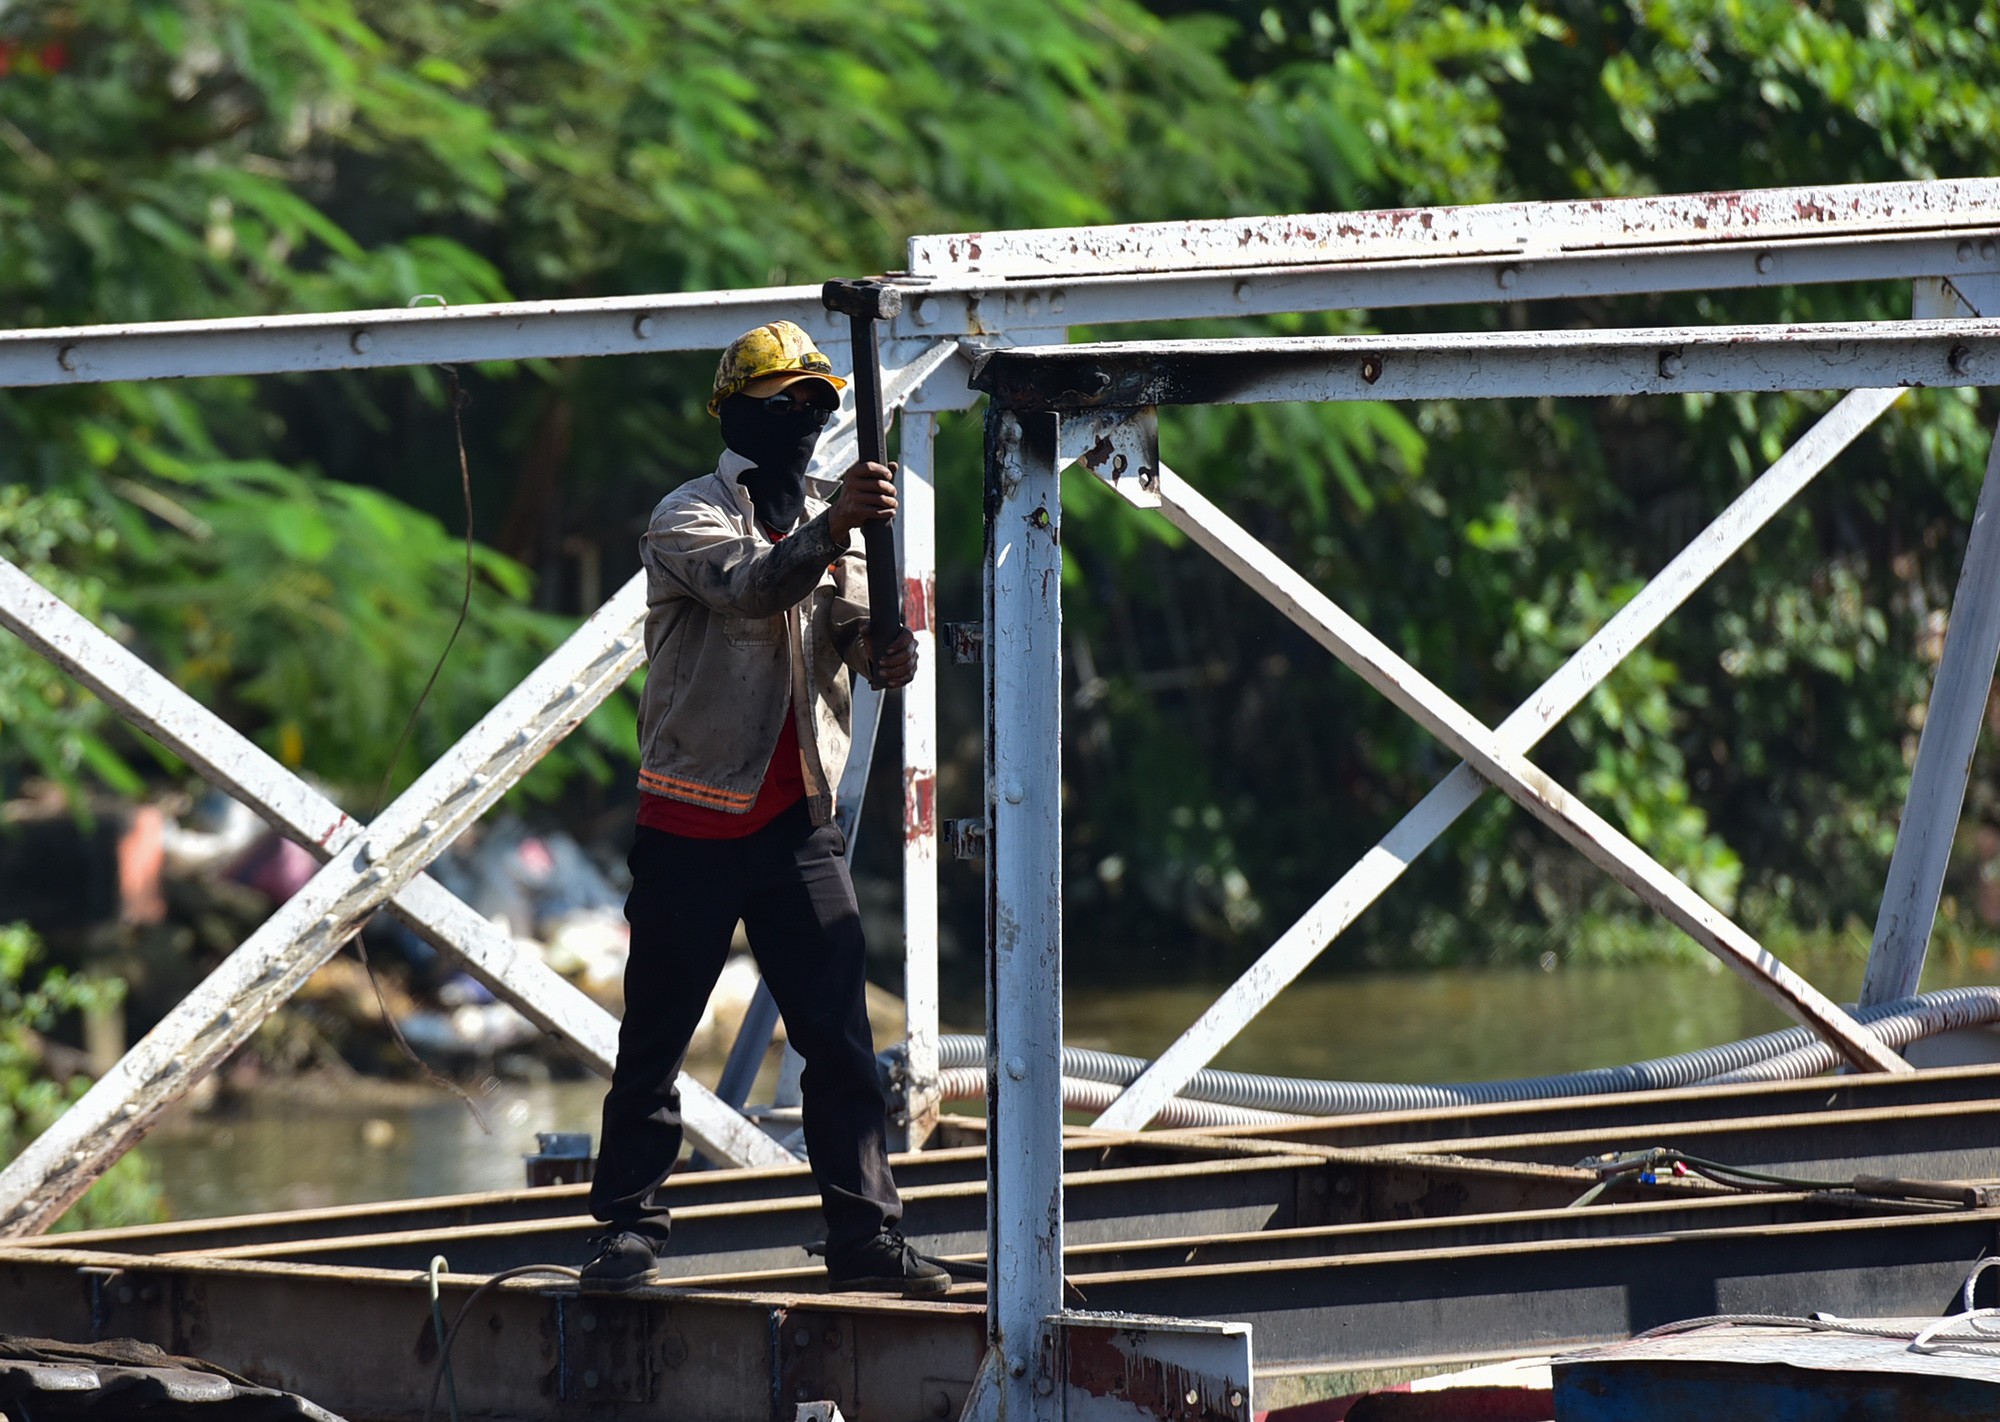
<point x="1017" y="1069"/>
<point x="1018" y="1368"/>
<point x="1965" y="251"/>
<point x="1961" y="360"/>
<point x="63" y="357"/>
<point x="625" y="644"/>
<point x="642" y="327"/>
<point x="1242" y="291"/>
<point x="927" y="311"/>
<point x="1057" y="301"/>
<point x="1765" y="261"/>
<point x="370" y="851"/>
<point x="1044" y="1385"/>
<point x="329" y="923"/>
<point x="1013" y="792"/>
<point x="1987" y="249"/>
<point x="591" y="1377"/>
<point x="1371" y="368"/>
<point x="1670" y="364"/>
<point x="1193" y="1397"/>
<point x="803" y="1338"/>
<point x="1235" y="1399"/>
<point x="588" y="1322"/>
<point x="359" y="342"/>
<point x="1031" y="303"/>
<point x="1507" y="276"/>
<point x="430" y="827"/>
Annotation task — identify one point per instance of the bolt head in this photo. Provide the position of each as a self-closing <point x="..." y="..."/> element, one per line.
<point x="1193" y="1397"/>
<point x="1016" y="1068"/>
<point x="1965" y="251"/>
<point x="591" y="1377"/>
<point x="642" y="327"/>
<point x="1987" y="249"/>
<point x="359" y="342"/>
<point x="1765" y="261"/>
<point x="1507" y="276"/>
<point x="1235" y="1398"/>
<point x="803" y="1337"/>
<point x="1018" y="1368"/>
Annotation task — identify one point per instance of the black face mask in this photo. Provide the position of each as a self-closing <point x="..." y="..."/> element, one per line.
<point x="779" y="440"/>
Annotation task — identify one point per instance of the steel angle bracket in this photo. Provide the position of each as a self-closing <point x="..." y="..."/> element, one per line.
<point x="1123" y="1367"/>
<point x="1121" y="447"/>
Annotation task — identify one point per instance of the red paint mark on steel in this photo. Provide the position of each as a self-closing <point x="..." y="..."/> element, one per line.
<point x="1154" y="1387"/>
<point x="919" y="805"/>
<point x="919" y="602"/>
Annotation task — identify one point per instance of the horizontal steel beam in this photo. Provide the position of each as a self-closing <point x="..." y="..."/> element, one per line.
<point x="1504" y="1300"/>
<point x="1539" y="229"/>
<point x="359" y="1342"/>
<point x="683" y="1189"/>
<point x="1614" y="1221"/>
<point x="1945" y="1141"/>
<point x="1638" y="1111"/>
<point x="1174" y="1200"/>
<point x="1495" y="365"/>
<point x="1447" y="281"/>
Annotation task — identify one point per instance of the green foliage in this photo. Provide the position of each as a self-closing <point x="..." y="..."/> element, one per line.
<point x="30" y="1100"/>
<point x="286" y="546"/>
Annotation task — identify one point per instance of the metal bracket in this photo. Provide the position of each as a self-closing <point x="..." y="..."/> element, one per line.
<point x="967" y="641"/>
<point x="814" y="1364"/>
<point x="1122" y="1367"/>
<point x="965" y="839"/>
<point x="603" y="1355"/>
<point x="1121" y="447"/>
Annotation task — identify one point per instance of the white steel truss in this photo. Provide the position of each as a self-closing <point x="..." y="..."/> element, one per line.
<point x="970" y="295"/>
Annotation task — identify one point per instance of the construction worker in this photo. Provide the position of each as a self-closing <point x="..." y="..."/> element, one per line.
<point x="756" y="622"/>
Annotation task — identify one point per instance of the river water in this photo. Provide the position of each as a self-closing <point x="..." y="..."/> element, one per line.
<point x="326" y="1143"/>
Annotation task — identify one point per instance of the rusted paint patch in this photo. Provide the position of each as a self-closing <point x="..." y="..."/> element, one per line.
<point x="1098" y="1366"/>
<point x="919" y="602"/>
<point x="919" y="805"/>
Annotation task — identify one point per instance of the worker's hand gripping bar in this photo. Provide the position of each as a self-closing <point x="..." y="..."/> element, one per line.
<point x="864" y="303"/>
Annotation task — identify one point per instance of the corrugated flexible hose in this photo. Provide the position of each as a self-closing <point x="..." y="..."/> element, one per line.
<point x="1092" y="1078"/>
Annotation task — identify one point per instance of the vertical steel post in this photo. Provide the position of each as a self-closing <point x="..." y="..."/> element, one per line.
<point x="1944" y="760"/>
<point x="1023" y="576"/>
<point x="916" y="528"/>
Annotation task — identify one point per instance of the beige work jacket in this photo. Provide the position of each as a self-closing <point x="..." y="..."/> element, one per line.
<point x="737" y="629"/>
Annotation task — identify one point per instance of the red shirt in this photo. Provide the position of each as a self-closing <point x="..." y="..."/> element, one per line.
<point x="784" y="786"/>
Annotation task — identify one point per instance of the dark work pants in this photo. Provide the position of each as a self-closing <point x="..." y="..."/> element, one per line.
<point x="789" y="886"/>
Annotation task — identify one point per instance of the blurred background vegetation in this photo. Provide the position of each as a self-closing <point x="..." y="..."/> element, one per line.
<point x="287" y="547"/>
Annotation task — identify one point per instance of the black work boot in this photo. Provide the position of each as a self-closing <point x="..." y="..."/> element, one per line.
<point x="884" y="1264"/>
<point x="624" y="1261"/>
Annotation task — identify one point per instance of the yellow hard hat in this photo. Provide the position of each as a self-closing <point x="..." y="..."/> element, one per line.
<point x="764" y="361"/>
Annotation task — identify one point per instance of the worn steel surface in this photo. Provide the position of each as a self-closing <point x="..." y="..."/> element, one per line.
<point x="1024" y="867"/>
<point x="1534" y="229"/>
<point x="1495" y="365"/>
<point x="916" y="534"/>
<point x="361" y="1342"/>
<point x="1787" y="1374"/>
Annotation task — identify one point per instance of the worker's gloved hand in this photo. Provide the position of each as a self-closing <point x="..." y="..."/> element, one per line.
<point x="867" y="493"/>
<point x="896" y="666"/>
